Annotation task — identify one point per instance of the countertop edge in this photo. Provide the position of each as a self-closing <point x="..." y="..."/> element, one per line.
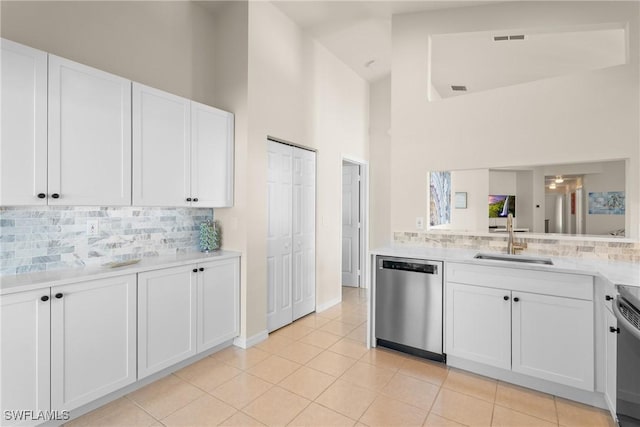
<point x="616" y="272"/>
<point x="41" y="280"/>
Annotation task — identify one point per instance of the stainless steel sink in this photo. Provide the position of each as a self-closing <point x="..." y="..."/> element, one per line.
<point x="514" y="258"/>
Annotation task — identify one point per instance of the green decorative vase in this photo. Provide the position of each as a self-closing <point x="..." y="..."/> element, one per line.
<point x="210" y="236"/>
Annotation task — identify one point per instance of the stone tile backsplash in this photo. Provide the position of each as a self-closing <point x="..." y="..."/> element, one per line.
<point x="556" y="247"/>
<point x="53" y="238"/>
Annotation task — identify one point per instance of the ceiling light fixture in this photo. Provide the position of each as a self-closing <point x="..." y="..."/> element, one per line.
<point x="552" y="186"/>
<point x="559" y="179"/>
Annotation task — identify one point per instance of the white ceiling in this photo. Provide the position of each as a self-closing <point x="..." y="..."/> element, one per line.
<point x="359" y="34"/>
<point x="478" y="62"/>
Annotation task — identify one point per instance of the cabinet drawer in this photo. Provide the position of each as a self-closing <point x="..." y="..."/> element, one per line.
<point x="519" y="279"/>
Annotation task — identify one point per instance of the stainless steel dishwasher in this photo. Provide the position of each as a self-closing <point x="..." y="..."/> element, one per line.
<point x="408" y="307"/>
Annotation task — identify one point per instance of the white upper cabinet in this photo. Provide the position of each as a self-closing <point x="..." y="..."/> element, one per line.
<point x="89" y="136"/>
<point x="161" y="148"/>
<point x="182" y="151"/>
<point x="211" y="156"/>
<point x="23" y="140"/>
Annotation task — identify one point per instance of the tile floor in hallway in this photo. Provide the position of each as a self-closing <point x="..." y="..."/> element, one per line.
<point x="318" y="372"/>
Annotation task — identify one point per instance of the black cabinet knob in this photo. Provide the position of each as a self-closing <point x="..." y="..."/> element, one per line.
<point x="41" y="195"/>
<point x="201" y="268"/>
<point x="608" y="297"/>
<point x="516" y="299"/>
<point x="44" y="298"/>
<point x="195" y="200"/>
<point x="195" y="270"/>
<point x="59" y="295"/>
<point x="188" y="199"/>
<point x="614" y="330"/>
<point x="55" y="196"/>
<point x="506" y="298"/>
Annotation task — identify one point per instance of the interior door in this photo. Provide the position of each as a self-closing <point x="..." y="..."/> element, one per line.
<point x="279" y="235"/>
<point x="350" y="225"/>
<point x="304" y="230"/>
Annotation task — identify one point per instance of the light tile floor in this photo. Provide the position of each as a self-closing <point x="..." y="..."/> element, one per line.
<point x="318" y="372"/>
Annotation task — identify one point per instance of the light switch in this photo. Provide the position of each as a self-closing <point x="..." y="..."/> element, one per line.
<point x="420" y="222"/>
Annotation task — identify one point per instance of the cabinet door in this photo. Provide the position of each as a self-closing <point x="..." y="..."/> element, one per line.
<point x="211" y="157"/>
<point x="89" y="136"/>
<point x="611" y="356"/>
<point x="93" y="340"/>
<point x="304" y="230"/>
<point x="166" y="318"/>
<point x="23" y="146"/>
<point x="24" y="352"/>
<point x="478" y="324"/>
<point x="218" y="302"/>
<point x="161" y="148"/>
<point x="553" y="339"/>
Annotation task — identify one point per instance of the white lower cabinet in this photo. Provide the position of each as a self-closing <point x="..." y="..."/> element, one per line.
<point x="611" y="355"/>
<point x="186" y="310"/>
<point x="93" y="340"/>
<point x="546" y="336"/>
<point x="553" y="339"/>
<point x="24" y="353"/>
<point x="479" y="324"/>
<point x="166" y="318"/>
<point x="218" y="303"/>
<point x="65" y="346"/>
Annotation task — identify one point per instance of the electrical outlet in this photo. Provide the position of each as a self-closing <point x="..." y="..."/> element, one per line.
<point x="93" y="227"/>
<point x="420" y="222"/>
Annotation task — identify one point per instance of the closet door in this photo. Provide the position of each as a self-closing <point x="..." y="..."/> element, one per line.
<point x="304" y="226"/>
<point x="279" y="235"/>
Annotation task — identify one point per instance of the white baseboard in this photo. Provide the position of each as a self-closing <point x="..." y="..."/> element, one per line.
<point x="327" y="305"/>
<point x="251" y="341"/>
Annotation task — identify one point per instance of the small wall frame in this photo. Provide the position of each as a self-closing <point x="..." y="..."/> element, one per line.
<point x="460" y="200"/>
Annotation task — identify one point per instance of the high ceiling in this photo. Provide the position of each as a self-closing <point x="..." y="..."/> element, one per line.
<point x="359" y="34"/>
<point x="479" y="62"/>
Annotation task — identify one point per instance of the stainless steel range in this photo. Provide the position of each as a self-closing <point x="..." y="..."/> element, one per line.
<point x="627" y="311"/>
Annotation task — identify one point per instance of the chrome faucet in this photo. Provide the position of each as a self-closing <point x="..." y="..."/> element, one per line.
<point x="510" y="249"/>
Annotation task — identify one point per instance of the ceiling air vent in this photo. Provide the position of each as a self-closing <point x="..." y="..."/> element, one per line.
<point x="459" y="88"/>
<point x="505" y="38"/>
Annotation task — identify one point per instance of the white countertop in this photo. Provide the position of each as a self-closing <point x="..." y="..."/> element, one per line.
<point x="617" y="272"/>
<point x="32" y="281"/>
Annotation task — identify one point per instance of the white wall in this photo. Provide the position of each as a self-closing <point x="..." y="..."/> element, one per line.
<point x="475" y="183"/>
<point x="164" y="44"/>
<point x="298" y="92"/>
<point x="379" y="153"/>
<point x="547" y="121"/>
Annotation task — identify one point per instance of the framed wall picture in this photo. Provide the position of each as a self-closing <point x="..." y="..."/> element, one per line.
<point x="461" y="200"/>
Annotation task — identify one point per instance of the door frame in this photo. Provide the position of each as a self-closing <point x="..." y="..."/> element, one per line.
<point x="364" y="214"/>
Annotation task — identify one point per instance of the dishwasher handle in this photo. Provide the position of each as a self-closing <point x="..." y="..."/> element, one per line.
<point x="414" y="267"/>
